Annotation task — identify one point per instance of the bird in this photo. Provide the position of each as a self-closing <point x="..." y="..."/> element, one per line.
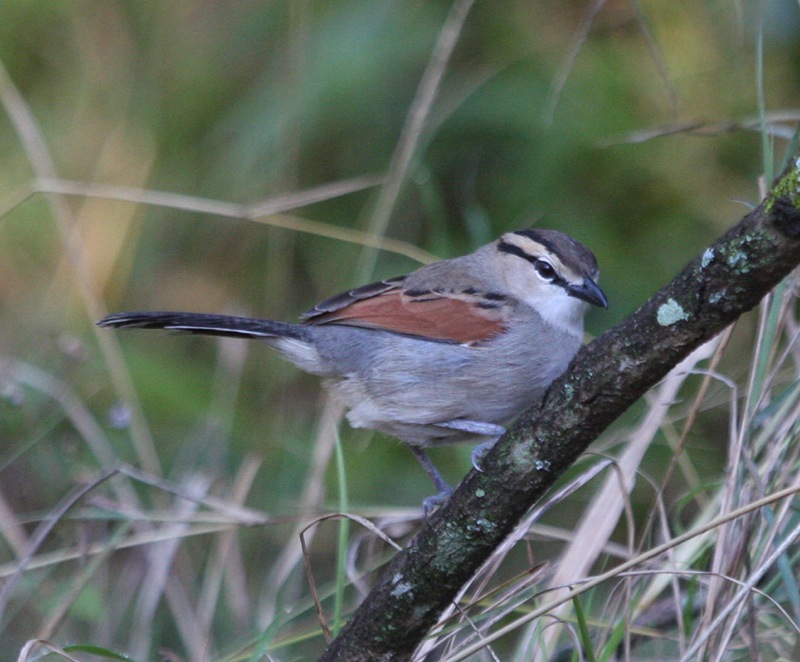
<point x="451" y="352"/>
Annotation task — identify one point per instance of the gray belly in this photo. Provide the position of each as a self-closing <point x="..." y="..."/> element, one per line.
<point x="403" y="386"/>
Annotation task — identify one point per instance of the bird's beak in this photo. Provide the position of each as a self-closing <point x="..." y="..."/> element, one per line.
<point x="588" y="291"/>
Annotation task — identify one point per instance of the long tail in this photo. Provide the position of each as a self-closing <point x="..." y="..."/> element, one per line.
<point x="200" y="323"/>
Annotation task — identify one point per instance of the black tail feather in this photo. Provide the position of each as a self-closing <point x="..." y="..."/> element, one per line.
<point x="205" y="324"/>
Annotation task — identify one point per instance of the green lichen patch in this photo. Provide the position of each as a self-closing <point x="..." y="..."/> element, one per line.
<point x="670" y="313"/>
<point x="737" y="259"/>
<point x="788" y="186"/>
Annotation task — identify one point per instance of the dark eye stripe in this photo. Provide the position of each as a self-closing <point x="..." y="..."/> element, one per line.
<point x="513" y="249"/>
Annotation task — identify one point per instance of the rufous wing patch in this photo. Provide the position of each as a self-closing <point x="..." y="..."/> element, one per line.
<point x="431" y="315"/>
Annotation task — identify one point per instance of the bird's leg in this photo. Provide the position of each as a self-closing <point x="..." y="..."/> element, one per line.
<point x="432" y="502"/>
<point x="491" y="430"/>
<point x="478" y="428"/>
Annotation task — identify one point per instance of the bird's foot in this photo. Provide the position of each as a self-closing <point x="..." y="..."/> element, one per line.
<point x="444" y="490"/>
<point x="474" y="427"/>
<point x="480" y="451"/>
<point x="478" y="428"/>
<point x="432" y="503"/>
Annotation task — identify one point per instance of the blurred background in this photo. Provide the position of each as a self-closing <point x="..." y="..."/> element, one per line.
<point x="632" y="126"/>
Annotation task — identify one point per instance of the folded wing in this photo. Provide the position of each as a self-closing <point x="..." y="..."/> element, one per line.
<point x="444" y="316"/>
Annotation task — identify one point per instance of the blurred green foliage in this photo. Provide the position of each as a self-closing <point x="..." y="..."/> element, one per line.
<point x="247" y="100"/>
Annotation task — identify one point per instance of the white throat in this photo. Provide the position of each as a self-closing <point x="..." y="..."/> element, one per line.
<point x="563" y="312"/>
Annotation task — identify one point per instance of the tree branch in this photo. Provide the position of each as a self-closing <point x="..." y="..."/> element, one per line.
<point x="606" y="377"/>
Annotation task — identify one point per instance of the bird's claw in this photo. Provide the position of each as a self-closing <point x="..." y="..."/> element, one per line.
<point x="433" y="502"/>
<point x="480" y="451"/>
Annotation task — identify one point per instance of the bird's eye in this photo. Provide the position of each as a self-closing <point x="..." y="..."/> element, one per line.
<point x="544" y="269"/>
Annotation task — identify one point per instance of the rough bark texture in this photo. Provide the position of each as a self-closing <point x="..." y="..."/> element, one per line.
<point x="606" y="377"/>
